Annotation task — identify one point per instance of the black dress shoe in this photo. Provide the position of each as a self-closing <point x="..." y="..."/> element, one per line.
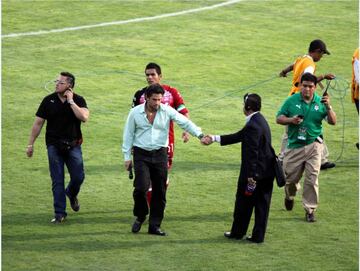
<point x="156" y="231"/>
<point x="250" y="239"/>
<point x="136" y="226"/>
<point x="289" y="204"/>
<point x="229" y="235"/>
<point x="74" y="202"/>
<point x="310" y="217"/>
<point x="327" y="165"/>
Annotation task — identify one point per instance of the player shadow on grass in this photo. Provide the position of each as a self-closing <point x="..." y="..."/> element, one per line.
<point x="112" y="241"/>
<point x="83" y="217"/>
<point x="123" y="216"/>
<point x="90" y="225"/>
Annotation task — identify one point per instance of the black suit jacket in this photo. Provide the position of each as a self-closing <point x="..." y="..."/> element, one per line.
<point x="257" y="158"/>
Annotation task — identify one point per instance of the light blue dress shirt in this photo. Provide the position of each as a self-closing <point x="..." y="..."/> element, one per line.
<point x="141" y="133"/>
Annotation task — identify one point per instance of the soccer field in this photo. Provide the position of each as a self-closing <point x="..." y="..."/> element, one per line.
<point x="213" y="52"/>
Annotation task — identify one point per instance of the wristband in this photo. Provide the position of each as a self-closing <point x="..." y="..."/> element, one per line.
<point x="30" y="146"/>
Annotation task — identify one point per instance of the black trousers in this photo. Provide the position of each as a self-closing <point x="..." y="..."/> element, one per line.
<point x="150" y="169"/>
<point x="244" y="206"/>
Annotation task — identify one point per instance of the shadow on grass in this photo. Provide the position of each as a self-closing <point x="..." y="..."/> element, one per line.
<point x="100" y="217"/>
<point x="87" y="232"/>
<point x="42" y="219"/>
<point x="348" y="163"/>
<point x="139" y="243"/>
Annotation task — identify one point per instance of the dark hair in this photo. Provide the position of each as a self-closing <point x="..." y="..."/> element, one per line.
<point x="155" y="66"/>
<point x="318" y="45"/>
<point x="308" y="77"/>
<point x="252" y="102"/>
<point x="70" y="78"/>
<point x="154" y="89"/>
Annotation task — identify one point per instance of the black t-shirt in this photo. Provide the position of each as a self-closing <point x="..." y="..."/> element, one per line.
<point x="62" y="124"/>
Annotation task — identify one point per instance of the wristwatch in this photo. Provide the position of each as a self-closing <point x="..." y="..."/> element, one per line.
<point x="200" y="136"/>
<point x="71" y="102"/>
<point x="329" y="108"/>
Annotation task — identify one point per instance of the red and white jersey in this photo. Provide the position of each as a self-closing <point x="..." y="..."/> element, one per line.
<point x="171" y="97"/>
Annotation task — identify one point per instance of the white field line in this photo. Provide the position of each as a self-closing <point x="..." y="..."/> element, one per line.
<point x="136" y="20"/>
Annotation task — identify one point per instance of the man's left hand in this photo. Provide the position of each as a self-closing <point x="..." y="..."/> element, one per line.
<point x="185" y="136"/>
<point x="329" y="76"/>
<point x="128" y="165"/>
<point x="69" y="94"/>
<point x="326" y="100"/>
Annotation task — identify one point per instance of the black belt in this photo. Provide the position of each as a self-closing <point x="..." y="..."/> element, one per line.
<point x="152" y="152"/>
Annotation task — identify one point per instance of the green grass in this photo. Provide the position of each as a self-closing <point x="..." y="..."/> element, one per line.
<point x="212" y="57"/>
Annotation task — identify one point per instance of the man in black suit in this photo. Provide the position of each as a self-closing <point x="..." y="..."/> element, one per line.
<point x="255" y="182"/>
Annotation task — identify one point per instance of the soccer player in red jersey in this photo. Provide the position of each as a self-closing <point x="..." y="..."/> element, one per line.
<point x="172" y="97"/>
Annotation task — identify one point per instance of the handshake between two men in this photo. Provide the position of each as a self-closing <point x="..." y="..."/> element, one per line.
<point x="208" y="139"/>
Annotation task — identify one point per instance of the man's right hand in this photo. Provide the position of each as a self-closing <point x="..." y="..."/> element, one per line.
<point x="206" y="140"/>
<point x="29" y="150"/>
<point x="185" y="136"/>
<point x="296" y="120"/>
<point x="128" y="165"/>
<point x="329" y="76"/>
<point x="283" y="74"/>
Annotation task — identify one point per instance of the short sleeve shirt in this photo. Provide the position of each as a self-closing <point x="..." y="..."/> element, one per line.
<point x="62" y="124"/>
<point x="313" y="113"/>
<point x="301" y="64"/>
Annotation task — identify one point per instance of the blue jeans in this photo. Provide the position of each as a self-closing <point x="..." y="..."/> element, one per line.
<point x="74" y="163"/>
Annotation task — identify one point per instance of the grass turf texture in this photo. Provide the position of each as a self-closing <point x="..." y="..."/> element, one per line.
<point x="207" y="55"/>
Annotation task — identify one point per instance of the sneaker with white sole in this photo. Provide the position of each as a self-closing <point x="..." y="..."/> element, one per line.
<point x="58" y="219"/>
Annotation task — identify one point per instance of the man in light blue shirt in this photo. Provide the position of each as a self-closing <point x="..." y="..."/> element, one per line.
<point x="146" y="133"/>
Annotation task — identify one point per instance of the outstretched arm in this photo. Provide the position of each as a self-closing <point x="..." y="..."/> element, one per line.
<point x="328" y="76"/>
<point x="285" y="71"/>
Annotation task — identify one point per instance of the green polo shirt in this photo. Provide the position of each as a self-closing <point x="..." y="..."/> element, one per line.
<point x="313" y="112"/>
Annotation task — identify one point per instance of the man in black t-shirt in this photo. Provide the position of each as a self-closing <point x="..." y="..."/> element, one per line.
<point x="64" y="111"/>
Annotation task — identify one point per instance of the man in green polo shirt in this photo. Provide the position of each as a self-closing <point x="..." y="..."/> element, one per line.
<point x="303" y="112"/>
